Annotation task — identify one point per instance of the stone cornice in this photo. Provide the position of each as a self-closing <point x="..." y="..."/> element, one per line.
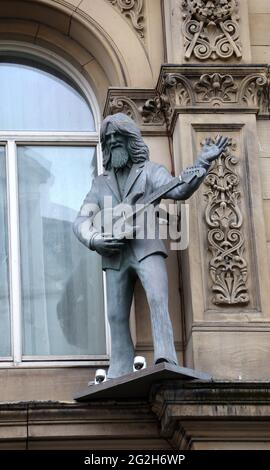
<point x="102" y="424"/>
<point x="189" y="410"/>
<point x="177" y="414"/>
<point x="142" y="105"/>
<point x="194" y="89"/>
<point x="205" y="89"/>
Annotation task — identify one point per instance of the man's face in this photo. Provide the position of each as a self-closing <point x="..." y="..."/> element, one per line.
<point x="117" y="145"/>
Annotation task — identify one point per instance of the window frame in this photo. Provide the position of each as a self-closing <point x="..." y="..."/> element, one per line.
<point x="11" y="142"/>
<point x="38" y="56"/>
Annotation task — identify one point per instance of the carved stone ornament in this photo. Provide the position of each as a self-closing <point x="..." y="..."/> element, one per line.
<point x="254" y="91"/>
<point x="132" y="9"/>
<point x="191" y="89"/>
<point x="227" y="267"/>
<point x="154" y="110"/>
<point x="143" y="111"/>
<point x="182" y="89"/>
<point x="178" y="90"/>
<point x="211" y="29"/>
<point x="216" y="88"/>
<point x="122" y="104"/>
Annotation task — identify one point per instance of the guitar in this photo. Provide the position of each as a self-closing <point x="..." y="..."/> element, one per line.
<point x="119" y="221"/>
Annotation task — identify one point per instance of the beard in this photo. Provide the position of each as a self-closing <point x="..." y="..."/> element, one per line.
<point x="119" y="157"/>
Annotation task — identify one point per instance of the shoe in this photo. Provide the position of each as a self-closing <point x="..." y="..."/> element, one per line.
<point x="163" y="359"/>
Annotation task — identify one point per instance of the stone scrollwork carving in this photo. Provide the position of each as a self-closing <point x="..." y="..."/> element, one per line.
<point x="178" y="89"/>
<point x="188" y="89"/>
<point x="211" y="29"/>
<point x="154" y="110"/>
<point x="151" y="111"/>
<point x="228" y="267"/>
<point x="216" y="87"/>
<point x="219" y="89"/>
<point x="122" y="104"/>
<point x="132" y="9"/>
<point x="254" y="91"/>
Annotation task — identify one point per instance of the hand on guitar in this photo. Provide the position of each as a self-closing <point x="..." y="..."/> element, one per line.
<point x="105" y="245"/>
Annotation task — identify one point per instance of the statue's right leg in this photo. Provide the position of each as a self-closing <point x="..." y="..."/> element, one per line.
<point x="120" y="287"/>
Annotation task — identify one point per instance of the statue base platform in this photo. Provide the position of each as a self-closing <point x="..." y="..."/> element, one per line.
<point x="138" y="384"/>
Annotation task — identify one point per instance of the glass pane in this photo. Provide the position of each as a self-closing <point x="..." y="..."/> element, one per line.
<point x="5" y="347"/>
<point x="62" y="289"/>
<point x="35" y="100"/>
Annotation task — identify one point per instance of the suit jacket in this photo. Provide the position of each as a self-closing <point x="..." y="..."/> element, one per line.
<point x="144" y="178"/>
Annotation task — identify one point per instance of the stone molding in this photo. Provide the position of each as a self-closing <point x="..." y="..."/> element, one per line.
<point x="196" y="415"/>
<point x="194" y="89"/>
<point x="101" y="425"/>
<point x="133" y="10"/>
<point x="179" y="415"/>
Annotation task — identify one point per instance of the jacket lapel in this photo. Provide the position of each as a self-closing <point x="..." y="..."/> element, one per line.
<point x="112" y="183"/>
<point x="135" y="172"/>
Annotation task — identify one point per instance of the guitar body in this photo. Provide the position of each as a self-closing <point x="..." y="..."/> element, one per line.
<point x="121" y="221"/>
<point x="117" y="222"/>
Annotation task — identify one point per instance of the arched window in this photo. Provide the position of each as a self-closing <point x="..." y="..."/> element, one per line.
<point x="51" y="287"/>
<point x="33" y="99"/>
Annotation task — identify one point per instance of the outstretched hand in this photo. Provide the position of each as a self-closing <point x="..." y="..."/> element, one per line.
<point x="211" y="151"/>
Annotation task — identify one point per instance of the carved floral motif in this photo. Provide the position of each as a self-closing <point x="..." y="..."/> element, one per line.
<point x="132" y="9"/>
<point x="217" y="90"/>
<point x="217" y="87"/>
<point x="188" y="89"/>
<point x="228" y="267"/>
<point x="211" y="29"/>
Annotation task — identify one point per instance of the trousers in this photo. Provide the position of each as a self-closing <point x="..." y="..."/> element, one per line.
<point x="152" y="273"/>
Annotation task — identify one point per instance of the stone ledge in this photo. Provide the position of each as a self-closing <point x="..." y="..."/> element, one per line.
<point x="194" y="89"/>
<point x="217" y="415"/>
<point x="67" y="425"/>
<point x="180" y="415"/>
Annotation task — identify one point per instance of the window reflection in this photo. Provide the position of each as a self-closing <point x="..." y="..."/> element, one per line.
<point x="4" y="270"/>
<point x="35" y="100"/>
<point x="62" y="292"/>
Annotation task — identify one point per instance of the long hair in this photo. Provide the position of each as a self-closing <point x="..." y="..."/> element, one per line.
<point x="137" y="149"/>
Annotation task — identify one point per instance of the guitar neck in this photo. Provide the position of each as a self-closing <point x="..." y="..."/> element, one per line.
<point x="162" y="191"/>
<point x="186" y="177"/>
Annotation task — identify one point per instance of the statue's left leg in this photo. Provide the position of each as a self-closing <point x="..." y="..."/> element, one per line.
<point x="153" y="275"/>
<point x="120" y="286"/>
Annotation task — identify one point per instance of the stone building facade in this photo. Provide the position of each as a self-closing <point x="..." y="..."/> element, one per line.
<point x="184" y="70"/>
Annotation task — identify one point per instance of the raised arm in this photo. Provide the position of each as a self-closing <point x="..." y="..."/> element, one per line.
<point x="209" y="153"/>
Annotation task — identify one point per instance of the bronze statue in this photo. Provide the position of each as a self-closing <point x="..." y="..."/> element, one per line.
<point x="130" y="177"/>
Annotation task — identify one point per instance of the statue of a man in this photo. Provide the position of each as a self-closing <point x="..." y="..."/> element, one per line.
<point x="129" y="173"/>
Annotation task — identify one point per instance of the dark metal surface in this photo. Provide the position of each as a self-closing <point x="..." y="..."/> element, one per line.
<point x="139" y="383"/>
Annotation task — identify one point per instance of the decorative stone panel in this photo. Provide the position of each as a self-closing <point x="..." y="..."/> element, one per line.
<point x="211" y="29"/>
<point x="228" y="267"/>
